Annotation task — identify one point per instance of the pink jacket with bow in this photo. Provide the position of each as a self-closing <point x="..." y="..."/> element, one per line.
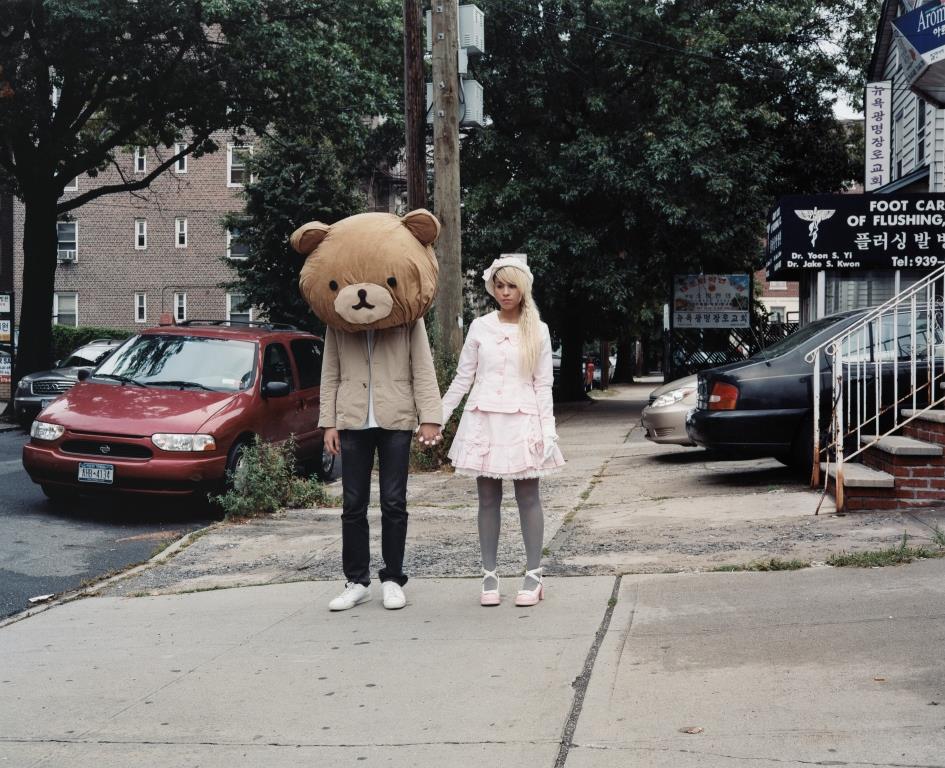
<point x="490" y="364"/>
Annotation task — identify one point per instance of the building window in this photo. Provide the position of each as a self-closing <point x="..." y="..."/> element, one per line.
<point x="68" y="234"/>
<point x="141" y="234"/>
<point x="181" y="165"/>
<point x="180" y="307"/>
<point x="919" y="132"/>
<point x="72" y="186"/>
<point x="66" y="309"/>
<point x="141" y="307"/>
<point x="180" y="226"/>
<point x="237" y="308"/>
<point x="237" y="172"/>
<point x="141" y="163"/>
<point x="777" y="285"/>
<point x="235" y="248"/>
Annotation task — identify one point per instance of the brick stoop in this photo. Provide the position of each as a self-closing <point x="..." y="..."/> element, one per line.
<point x="902" y="471"/>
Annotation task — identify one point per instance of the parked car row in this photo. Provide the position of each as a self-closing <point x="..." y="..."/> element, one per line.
<point x="763" y="406"/>
<point x="171" y="410"/>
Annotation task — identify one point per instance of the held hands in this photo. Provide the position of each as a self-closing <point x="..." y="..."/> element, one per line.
<point x="429" y="435"/>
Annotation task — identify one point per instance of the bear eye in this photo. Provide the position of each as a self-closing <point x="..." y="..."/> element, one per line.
<point x="333" y="285"/>
<point x="392" y="282"/>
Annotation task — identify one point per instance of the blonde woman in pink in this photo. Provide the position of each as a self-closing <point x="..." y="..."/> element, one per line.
<point x="507" y="430"/>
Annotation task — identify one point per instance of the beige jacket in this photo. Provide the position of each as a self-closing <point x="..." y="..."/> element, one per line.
<point x="401" y="371"/>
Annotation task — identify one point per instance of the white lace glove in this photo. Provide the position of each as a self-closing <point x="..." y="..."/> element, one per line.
<point x="549" y="442"/>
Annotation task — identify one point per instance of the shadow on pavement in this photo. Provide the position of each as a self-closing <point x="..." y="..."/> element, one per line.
<point x="122" y="511"/>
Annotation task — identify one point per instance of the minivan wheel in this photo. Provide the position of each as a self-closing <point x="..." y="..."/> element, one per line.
<point x="234" y="462"/>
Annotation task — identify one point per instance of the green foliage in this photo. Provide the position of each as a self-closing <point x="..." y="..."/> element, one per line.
<point x="634" y="139"/>
<point x="65" y="339"/>
<point x="314" y="161"/>
<point x="158" y="72"/>
<point x="266" y="482"/>
<point x="889" y="556"/>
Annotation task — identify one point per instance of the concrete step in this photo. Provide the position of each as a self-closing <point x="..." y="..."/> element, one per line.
<point x="855" y="475"/>
<point x="897" y="445"/>
<point x="936" y="414"/>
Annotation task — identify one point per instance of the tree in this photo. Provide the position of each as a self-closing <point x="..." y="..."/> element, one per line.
<point x="632" y="139"/>
<point x="83" y="80"/>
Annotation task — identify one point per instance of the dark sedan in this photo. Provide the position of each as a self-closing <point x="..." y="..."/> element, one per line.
<point x="37" y="390"/>
<point x="763" y="406"/>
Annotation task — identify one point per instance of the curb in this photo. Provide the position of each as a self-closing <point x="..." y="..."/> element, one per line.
<point x="92" y="590"/>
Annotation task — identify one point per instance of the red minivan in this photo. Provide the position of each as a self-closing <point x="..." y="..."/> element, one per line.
<point x="171" y="410"/>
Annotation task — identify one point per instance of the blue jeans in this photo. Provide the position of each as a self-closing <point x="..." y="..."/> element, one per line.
<point x="357" y="462"/>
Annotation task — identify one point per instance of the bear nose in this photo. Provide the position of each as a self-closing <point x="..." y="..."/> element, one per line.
<point x="362" y="294"/>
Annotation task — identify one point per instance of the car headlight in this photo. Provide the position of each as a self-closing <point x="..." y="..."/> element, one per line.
<point x="171" y="442"/>
<point x="24" y="385"/>
<point x="43" y="430"/>
<point x="673" y="396"/>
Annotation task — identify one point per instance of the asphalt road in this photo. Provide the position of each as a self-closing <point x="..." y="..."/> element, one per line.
<point x="47" y="547"/>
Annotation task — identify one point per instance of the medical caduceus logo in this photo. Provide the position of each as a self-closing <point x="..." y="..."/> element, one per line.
<point x="814" y="217"/>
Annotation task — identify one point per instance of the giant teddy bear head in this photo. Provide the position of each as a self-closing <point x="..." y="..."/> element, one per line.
<point x="369" y="271"/>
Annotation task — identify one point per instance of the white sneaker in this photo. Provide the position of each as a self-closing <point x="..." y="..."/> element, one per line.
<point x="352" y="596"/>
<point x="394" y="596"/>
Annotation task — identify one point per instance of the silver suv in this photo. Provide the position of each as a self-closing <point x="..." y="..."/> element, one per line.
<point x="37" y="390"/>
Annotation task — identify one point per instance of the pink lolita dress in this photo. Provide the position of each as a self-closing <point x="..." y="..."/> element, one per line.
<point x="508" y="416"/>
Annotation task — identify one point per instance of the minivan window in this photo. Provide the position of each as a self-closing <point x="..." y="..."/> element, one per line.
<point x="176" y="362"/>
<point x="308" y="360"/>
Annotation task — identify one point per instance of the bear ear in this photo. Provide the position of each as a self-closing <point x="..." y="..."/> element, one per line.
<point x="423" y="225"/>
<point x="307" y="237"/>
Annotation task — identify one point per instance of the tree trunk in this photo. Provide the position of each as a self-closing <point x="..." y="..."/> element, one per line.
<point x="572" y="377"/>
<point x="40" y="245"/>
<point x="626" y="360"/>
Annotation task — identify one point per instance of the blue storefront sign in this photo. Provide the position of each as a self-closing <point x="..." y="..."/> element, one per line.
<point x="920" y="39"/>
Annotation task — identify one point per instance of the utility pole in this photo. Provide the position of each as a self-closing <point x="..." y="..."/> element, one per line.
<point x="449" y="301"/>
<point x="415" y="107"/>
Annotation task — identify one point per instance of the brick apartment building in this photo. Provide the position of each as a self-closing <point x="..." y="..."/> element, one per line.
<point x="125" y="258"/>
<point x="781" y="298"/>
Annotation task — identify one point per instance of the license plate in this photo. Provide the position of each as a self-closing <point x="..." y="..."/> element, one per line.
<point x="45" y="402"/>
<point x="96" y="473"/>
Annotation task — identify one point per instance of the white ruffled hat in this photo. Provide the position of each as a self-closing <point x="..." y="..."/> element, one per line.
<point x="516" y="262"/>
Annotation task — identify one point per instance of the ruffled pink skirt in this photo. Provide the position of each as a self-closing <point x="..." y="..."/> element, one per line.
<point x="501" y="445"/>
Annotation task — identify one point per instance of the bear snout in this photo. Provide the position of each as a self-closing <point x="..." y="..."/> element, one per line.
<point x="363" y="303"/>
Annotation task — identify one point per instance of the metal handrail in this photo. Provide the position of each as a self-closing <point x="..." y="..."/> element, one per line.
<point x="858" y="370"/>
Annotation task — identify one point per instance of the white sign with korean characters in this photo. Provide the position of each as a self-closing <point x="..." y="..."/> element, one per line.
<point x="4" y="302"/>
<point x="878" y="143"/>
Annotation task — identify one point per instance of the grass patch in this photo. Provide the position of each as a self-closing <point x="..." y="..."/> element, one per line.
<point x="771" y="564"/>
<point x="891" y="556"/>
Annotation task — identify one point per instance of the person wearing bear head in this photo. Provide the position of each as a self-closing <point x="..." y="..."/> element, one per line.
<point x="507" y="430"/>
<point x="370" y="278"/>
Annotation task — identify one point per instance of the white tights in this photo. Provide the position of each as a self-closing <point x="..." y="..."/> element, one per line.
<point x="530" y="514"/>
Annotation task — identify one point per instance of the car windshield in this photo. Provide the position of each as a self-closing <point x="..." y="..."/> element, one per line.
<point x="799" y="337"/>
<point x="85" y="356"/>
<point x="177" y="362"/>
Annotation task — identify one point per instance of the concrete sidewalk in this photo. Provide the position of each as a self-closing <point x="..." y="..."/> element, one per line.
<point x="822" y="667"/>
<point x="221" y="651"/>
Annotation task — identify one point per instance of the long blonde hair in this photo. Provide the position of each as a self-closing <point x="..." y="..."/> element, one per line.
<point x="529" y="319"/>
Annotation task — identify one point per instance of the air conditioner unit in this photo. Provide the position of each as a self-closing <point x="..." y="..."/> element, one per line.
<point x="471" y="32"/>
<point x="470" y="106"/>
<point x="66" y="255"/>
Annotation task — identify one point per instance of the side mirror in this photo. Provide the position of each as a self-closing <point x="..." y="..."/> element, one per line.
<point x="57" y="364"/>
<point x="83" y="374"/>
<point x="275" y="389"/>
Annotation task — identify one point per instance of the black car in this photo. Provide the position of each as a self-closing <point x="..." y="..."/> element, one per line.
<point x="37" y="390"/>
<point x="763" y="406"/>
